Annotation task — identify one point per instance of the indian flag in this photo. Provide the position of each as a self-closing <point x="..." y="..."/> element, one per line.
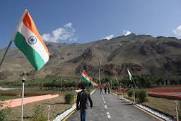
<point x="86" y="79"/>
<point x="30" y="42"/>
<point x="130" y="75"/>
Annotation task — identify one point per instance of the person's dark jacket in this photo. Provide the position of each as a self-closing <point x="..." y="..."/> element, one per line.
<point x="82" y="97"/>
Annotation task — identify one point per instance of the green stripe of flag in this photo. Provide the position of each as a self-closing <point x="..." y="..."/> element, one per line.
<point x="85" y="81"/>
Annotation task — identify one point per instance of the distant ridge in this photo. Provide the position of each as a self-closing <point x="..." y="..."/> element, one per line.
<point x="143" y="54"/>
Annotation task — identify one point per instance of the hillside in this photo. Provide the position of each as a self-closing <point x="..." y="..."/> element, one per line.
<point x="142" y="54"/>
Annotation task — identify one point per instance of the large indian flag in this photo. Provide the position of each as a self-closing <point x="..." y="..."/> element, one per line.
<point x="30" y="42"/>
<point x="86" y="79"/>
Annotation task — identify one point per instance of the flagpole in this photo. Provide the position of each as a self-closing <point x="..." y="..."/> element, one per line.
<point x="99" y="72"/>
<point x="22" y="100"/>
<point x="134" y="95"/>
<point x="48" y="112"/>
<point x="177" y="107"/>
<point x="61" y="84"/>
<point x="2" y="60"/>
<point x="134" y="86"/>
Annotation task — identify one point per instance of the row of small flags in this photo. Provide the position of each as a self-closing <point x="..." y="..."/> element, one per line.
<point x="89" y="80"/>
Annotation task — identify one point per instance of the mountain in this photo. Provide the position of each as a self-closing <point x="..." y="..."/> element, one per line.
<point x="142" y="54"/>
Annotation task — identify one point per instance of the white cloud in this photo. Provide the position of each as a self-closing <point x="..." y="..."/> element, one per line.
<point x="109" y="37"/>
<point x="126" y="32"/>
<point x="177" y="31"/>
<point x="61" y="34"/>
<point x="68" y="25"/>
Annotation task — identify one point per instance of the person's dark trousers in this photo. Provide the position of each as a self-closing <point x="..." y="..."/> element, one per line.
<point x="82" y="115"/>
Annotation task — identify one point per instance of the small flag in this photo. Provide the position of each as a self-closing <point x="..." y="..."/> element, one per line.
<point x="30" y="42"/>
<point x="92" y="82"/>
<point x="129" y="73"/>
<point x="86" y="79"/>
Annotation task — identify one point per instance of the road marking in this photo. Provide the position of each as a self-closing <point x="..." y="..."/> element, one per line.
<point x="104" y="102"/>
<point x="105" y="106"/>
<point x="103" y="99"/>
<point x="108" y="115"/>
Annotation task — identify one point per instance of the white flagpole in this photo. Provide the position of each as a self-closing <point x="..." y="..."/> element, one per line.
<point x="22" y="108"/>
<point x="48" y="112"/>
<point x="177" y="107"/>
<point x="2" y="60"/>
<point x="131" y="79"/>
<point x="99" y="71"/>
<point x="61" y="84"/>
<point x="134" y="91"/>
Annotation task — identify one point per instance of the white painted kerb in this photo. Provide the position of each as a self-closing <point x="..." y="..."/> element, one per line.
<point x="64" y="114"/>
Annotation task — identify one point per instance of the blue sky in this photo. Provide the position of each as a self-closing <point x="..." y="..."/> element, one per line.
<point x="88" y="20"/>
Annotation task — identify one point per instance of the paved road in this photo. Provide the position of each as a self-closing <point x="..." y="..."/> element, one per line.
<point x="108" y="107"/>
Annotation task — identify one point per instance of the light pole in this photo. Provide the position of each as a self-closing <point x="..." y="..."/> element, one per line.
<point x="23" y="85"/>
<point x="177" y="109"/>
<point x="99" y="71"/>
<point x="61" y="83"/>
<point x="48" y="112"/>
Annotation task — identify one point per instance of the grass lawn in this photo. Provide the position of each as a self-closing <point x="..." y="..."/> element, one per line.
<point x="161" y="104"/>
<point x="164" y="105"/>
<point x="56" y="106"/>
<point x="2" y="98"/>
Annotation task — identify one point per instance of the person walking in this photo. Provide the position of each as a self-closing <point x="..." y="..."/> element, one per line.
<point x="105" y="89"/>
<point x="100" y="87"/>
<point x="108" y="88"/>
<point x="81" y="103"/>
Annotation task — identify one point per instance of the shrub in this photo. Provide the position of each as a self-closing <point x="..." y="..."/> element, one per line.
<point x="39" y="114"/>
<point x="130" y="93"/>
<point x="3" y="114"/>
<point x="69" y="98"/>
<point x="141" y="95"/>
